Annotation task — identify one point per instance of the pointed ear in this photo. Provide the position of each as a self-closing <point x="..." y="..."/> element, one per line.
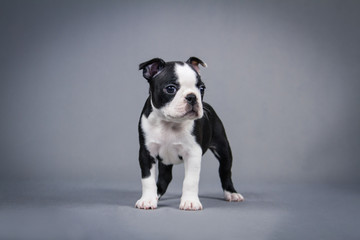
<point x="194" y="61"/>
<point x="152" y="67"/>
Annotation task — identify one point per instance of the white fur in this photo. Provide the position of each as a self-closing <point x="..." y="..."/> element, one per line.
<point x="233" y="197"/>
<point x="170" y="140"/>
<point x="149" y="197"/>
<point x="168" y="134"/>
<point x="178" y="107"/>
<point x="189" y="198"/>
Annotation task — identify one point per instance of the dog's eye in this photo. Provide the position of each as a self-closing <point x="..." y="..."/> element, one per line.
<point x="170" y="89"/>
<point x="202" y="89"/>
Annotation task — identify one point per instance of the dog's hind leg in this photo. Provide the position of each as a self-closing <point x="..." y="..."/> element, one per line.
<point x="221" y="149"/>
<point x="165" y="177"/>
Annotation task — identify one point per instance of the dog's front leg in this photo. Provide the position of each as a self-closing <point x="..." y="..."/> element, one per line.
<point x="190" y="199"/>
<point x="149" y="197"/>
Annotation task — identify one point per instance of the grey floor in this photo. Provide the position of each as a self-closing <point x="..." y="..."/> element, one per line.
<point x="270" y="211"/>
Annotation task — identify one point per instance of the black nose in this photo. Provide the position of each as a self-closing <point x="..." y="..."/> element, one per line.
<point x="191" y="98"/>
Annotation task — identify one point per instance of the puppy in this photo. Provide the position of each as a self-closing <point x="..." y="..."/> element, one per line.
<point x="175" y="127"/>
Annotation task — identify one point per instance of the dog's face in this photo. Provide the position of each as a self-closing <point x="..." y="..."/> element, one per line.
<point x="176" y="89"/>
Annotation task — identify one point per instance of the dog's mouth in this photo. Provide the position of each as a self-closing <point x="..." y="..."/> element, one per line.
<point x="192" y="112"/>
<point x="189" y="112"/>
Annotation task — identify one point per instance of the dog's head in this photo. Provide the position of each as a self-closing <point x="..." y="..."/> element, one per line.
<point x="176" y="89"/>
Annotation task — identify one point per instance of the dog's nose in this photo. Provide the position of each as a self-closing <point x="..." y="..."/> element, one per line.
<point x="191" y="98"/>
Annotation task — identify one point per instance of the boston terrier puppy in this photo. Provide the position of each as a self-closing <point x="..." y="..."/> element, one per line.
<point x="175" y="127"/>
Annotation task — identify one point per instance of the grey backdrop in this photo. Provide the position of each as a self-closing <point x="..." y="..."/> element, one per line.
<point x="283" y="76"/>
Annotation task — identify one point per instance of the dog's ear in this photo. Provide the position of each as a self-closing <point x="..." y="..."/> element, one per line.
<point x="152" y="67"/>
<point x="194" y="62"/>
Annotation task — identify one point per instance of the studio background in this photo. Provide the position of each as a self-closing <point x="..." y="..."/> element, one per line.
<point x="282" y="75"/>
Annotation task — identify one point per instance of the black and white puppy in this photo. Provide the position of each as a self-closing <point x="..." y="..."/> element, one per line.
<point x="176" y="126"/>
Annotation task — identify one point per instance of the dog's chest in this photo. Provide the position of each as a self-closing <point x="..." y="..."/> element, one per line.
<point x="169" y="142"/>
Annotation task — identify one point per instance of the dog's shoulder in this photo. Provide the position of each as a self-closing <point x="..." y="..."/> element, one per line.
<point x="147" y="109"/>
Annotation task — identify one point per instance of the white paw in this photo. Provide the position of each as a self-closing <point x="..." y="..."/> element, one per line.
<point x="146" y="203"/>
<point x="190" y="204"/>
<point x="233" y="197"/>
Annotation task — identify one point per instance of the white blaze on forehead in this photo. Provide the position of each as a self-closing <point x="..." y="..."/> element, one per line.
<point x="186" y="76"/>
<point x="178" y="107"/>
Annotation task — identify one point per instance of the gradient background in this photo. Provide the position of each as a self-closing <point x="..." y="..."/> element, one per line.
<point x="284" y="76"/>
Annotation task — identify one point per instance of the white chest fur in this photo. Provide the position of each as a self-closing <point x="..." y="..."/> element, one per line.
<point x="172" y="142"/>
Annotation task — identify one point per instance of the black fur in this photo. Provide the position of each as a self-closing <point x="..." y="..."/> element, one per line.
<point x="165" y="177"/>
<point x="208" y="131"/>
<point x="210" y="134"/>
<point x="145" y="159"/>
